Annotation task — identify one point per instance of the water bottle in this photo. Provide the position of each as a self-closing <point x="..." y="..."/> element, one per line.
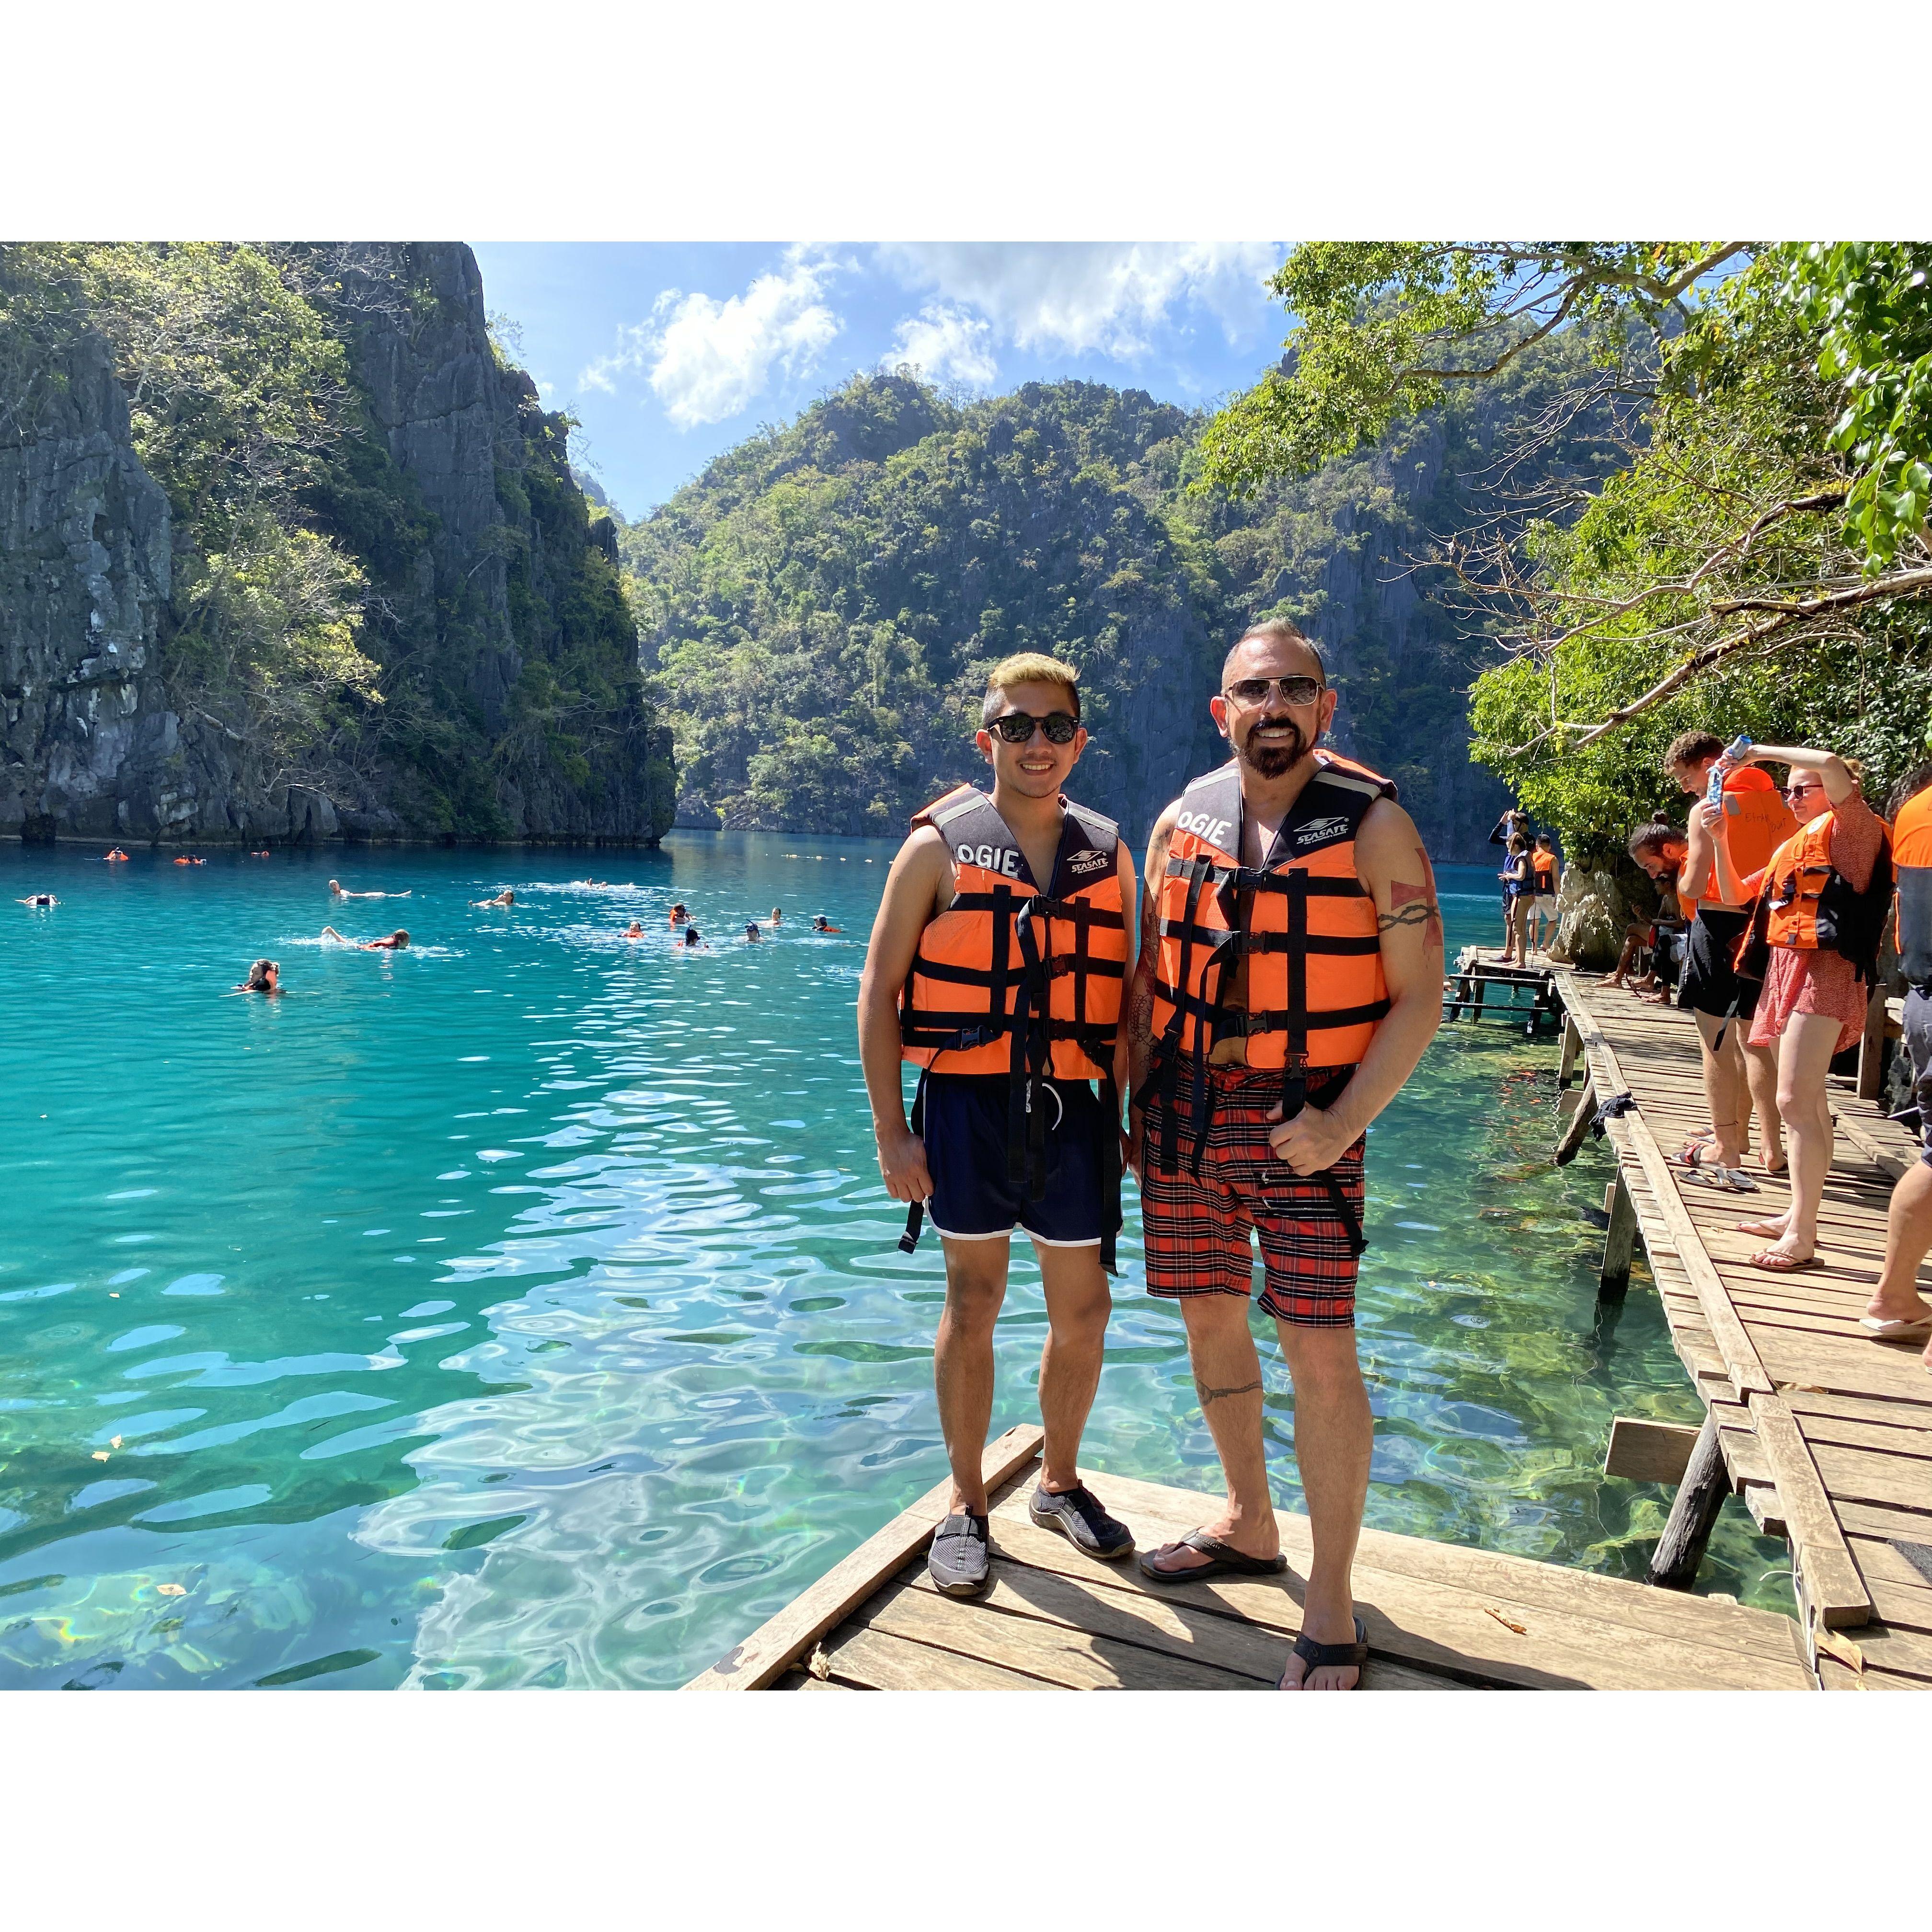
<point x="1727" y="761"/>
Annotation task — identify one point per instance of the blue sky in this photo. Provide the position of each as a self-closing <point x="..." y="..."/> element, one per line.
<point x="669" y="352"/>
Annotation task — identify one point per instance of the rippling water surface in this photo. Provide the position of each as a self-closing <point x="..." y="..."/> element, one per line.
<point x="524" y="1309"/>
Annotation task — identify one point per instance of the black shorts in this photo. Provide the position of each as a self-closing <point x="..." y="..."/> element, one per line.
<point x="1708" y="985"/>
<point x="1919" y="1045"/>
<point x="966" y="1155"/>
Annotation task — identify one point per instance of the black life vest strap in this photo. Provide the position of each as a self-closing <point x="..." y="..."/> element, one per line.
<point x="916" y="1213"/>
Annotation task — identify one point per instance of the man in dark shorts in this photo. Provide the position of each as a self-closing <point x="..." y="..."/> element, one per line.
<point x="1290" y="977"/>
<point x="998" y="964"/>
<point x="1738" y="1077"/>
<point x="1897" y="1311"/>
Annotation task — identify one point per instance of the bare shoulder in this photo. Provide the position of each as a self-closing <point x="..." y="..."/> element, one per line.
<point x="1388" y="838"/>
<point x="1163" y="830"/>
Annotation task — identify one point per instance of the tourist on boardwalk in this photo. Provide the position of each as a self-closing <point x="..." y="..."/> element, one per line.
<point x="1547" y="871"/>
<point x="996" y="965"/>
<point x="1659" y="848"/>
<point x="1738" y="1077"/>
<point x="1897" y="1311"/>
<point x="1512" y="824"/>
<point x="1820" y="904"/>
<point x="1518" y="891"/>
<point x="1290" y="977"/>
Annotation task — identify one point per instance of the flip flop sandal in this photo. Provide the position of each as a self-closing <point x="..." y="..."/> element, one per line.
<point x="1724" y="1180"/>
<point x="1888" y="1328"/>
<point x="1224" y="1561"/>
<point x="1320" y="1656"/>
<point x="1781" y="1267"/>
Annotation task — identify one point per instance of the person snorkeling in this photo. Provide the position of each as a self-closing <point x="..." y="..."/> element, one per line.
<point x="751" y="932"/>
<point x="694" y="941"/>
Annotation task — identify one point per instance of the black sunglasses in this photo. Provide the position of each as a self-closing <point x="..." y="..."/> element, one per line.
<point x="1017" y="727"/>
<point x="1294" y="690"/>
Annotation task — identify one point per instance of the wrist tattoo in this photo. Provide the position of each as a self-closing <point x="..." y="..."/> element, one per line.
<point x="1208" y="1395"/>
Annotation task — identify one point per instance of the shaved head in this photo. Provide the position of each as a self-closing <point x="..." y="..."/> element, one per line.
<point x="1276" y="639"/>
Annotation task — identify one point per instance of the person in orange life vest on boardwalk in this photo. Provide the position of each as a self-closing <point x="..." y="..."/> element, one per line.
<point x="1290" y="977"/>
<point x="1738" y="1077"/>
<point x="997" y="966"/>
<point x="1547" y="875"/>
<point x="1897" y="1312"/>
<point x="1819" y="907"/>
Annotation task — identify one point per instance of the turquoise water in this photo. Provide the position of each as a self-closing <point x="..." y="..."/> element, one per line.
<point x="524" y="1309"/>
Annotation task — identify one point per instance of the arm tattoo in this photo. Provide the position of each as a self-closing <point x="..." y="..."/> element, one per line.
<point x="1417" y="912"/>
<point x="1208" y="1395"/>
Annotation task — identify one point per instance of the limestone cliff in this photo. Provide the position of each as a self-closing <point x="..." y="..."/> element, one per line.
<point x="509" y="704"/>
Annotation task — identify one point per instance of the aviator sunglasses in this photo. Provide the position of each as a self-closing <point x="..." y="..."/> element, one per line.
<point x="1294" y="690"/>
<point x="1017" y="727"/>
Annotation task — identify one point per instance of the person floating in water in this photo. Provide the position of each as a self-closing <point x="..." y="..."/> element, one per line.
<point x="587" y="882"/>
<point x="40" y="899"/>
<point x="751" y="933"/>
<point x="693" y="939"/>
<point x="186" y="861"/>
<point x="340" y="891"/>
<point x="396" y="942"/>
<point x="506" y="897"/>
<point x="264" y="977"/>
<point x="776" y="915"/>
<point x="679" y="916"/>
<point x="116" y="857"/>
<point x="262" y="855"/>
<point x="633" y="931"/>
<point x="821" y="924"/>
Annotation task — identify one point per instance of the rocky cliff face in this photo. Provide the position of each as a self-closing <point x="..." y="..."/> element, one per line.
<point x="507" y="651"/>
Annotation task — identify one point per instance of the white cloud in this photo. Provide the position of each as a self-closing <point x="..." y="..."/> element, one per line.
<point x="949" y="342"/>
<point x="707" y="360"/>
<point x="1084" y="296"/>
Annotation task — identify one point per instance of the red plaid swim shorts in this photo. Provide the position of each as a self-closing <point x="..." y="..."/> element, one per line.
<point x="1196" y="1232"/>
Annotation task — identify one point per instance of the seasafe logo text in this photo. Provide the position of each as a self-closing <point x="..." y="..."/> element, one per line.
<point x="1203" y="825"/>
<point x="1318" y="830"/>
<point x="990" y="858"/>
<point x="1081" y="863"/>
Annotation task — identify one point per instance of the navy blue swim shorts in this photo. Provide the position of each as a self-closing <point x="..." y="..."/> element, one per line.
<point x="966" y="1155"/>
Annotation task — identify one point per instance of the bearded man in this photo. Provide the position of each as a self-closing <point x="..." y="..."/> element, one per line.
<point x="1290" y="977"/>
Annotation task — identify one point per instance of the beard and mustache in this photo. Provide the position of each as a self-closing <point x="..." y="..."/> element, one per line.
<point x="1278" y="754"/>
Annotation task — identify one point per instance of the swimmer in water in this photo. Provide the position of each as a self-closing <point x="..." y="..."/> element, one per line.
<point x="115" y="857"/>
<point x="506" y="897"/>
<point x="587" y="882"/>
<point x="40" y="899"/>
<point x="751" y="933"/>
<point x="692" y="940"/>
<point x="821" y="924"/>
<point x="776" y="915"/>
<point x="678" y="914"/>
<point x="191" y="862"/>
<point x="633" y="931"/>
<point x="258" y="855"/>
<point x="396" y="942"/>
<point x="264" y="977"/>
<point x="339" y="891"/>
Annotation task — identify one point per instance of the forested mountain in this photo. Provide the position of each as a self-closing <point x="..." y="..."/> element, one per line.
<point x="288" y="550"/>
<point x="821" y="604"/>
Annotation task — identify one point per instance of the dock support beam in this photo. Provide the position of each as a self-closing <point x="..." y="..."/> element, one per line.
<point x="1694" y="1514"/>
<point x="1573" y="1044"/>
<point x="1578" y="1124"/>
<point x="1619" y="1242"/>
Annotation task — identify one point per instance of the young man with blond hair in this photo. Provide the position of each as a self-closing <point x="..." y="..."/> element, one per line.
<point x="997" y="965"/>
<point x="1290" y="977"/>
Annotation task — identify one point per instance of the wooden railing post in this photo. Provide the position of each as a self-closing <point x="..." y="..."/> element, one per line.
<point x="1619" y="1241"/>
<point x="1573" y="1046"/>
<point x="1694" y="1514"/>
<point x="1578" y="1124"/>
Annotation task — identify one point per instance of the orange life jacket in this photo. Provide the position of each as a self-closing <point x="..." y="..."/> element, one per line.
<point x="1013" y="980"/>
<point x="1544" y="865"/>
<point x="1303" y="922"/>
<point x="1911" y="854"/>
<point x="1810" y="906"/>
<point x="1756" y="821"/>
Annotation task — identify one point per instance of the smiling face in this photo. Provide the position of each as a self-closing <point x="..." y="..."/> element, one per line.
<point x="1038" y="768"/>
<point x="1271" y="735"/>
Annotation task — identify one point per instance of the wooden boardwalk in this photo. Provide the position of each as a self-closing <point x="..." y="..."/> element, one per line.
<point x="1825" y="1433"/>
<point x="1439" y="1617"/>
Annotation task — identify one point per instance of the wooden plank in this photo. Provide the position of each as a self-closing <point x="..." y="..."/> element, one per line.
<point x="1874" y="1476"/>
<point x="1832" y="1584"/>
<point x="1055" y="1653"/>
<point x="1546" y="1627"/>
<point x="1694" y="1513"/>
<point x="1619" y="1239"/>
<point x="872" y="1659"/>
<point x="1577" y="1124"/>
<point x="1643" y="1451"/>
<point x="752" y="1664"/>
<point x="796" y="1679"/>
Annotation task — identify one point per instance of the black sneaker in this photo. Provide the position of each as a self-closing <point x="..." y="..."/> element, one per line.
<point x="958" y="1562"/>
<point x="1077" y="1514"/>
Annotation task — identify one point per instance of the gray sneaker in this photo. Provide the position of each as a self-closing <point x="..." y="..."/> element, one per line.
<point x="958" y="1561"/>
<point x="1077" y="1514"/>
